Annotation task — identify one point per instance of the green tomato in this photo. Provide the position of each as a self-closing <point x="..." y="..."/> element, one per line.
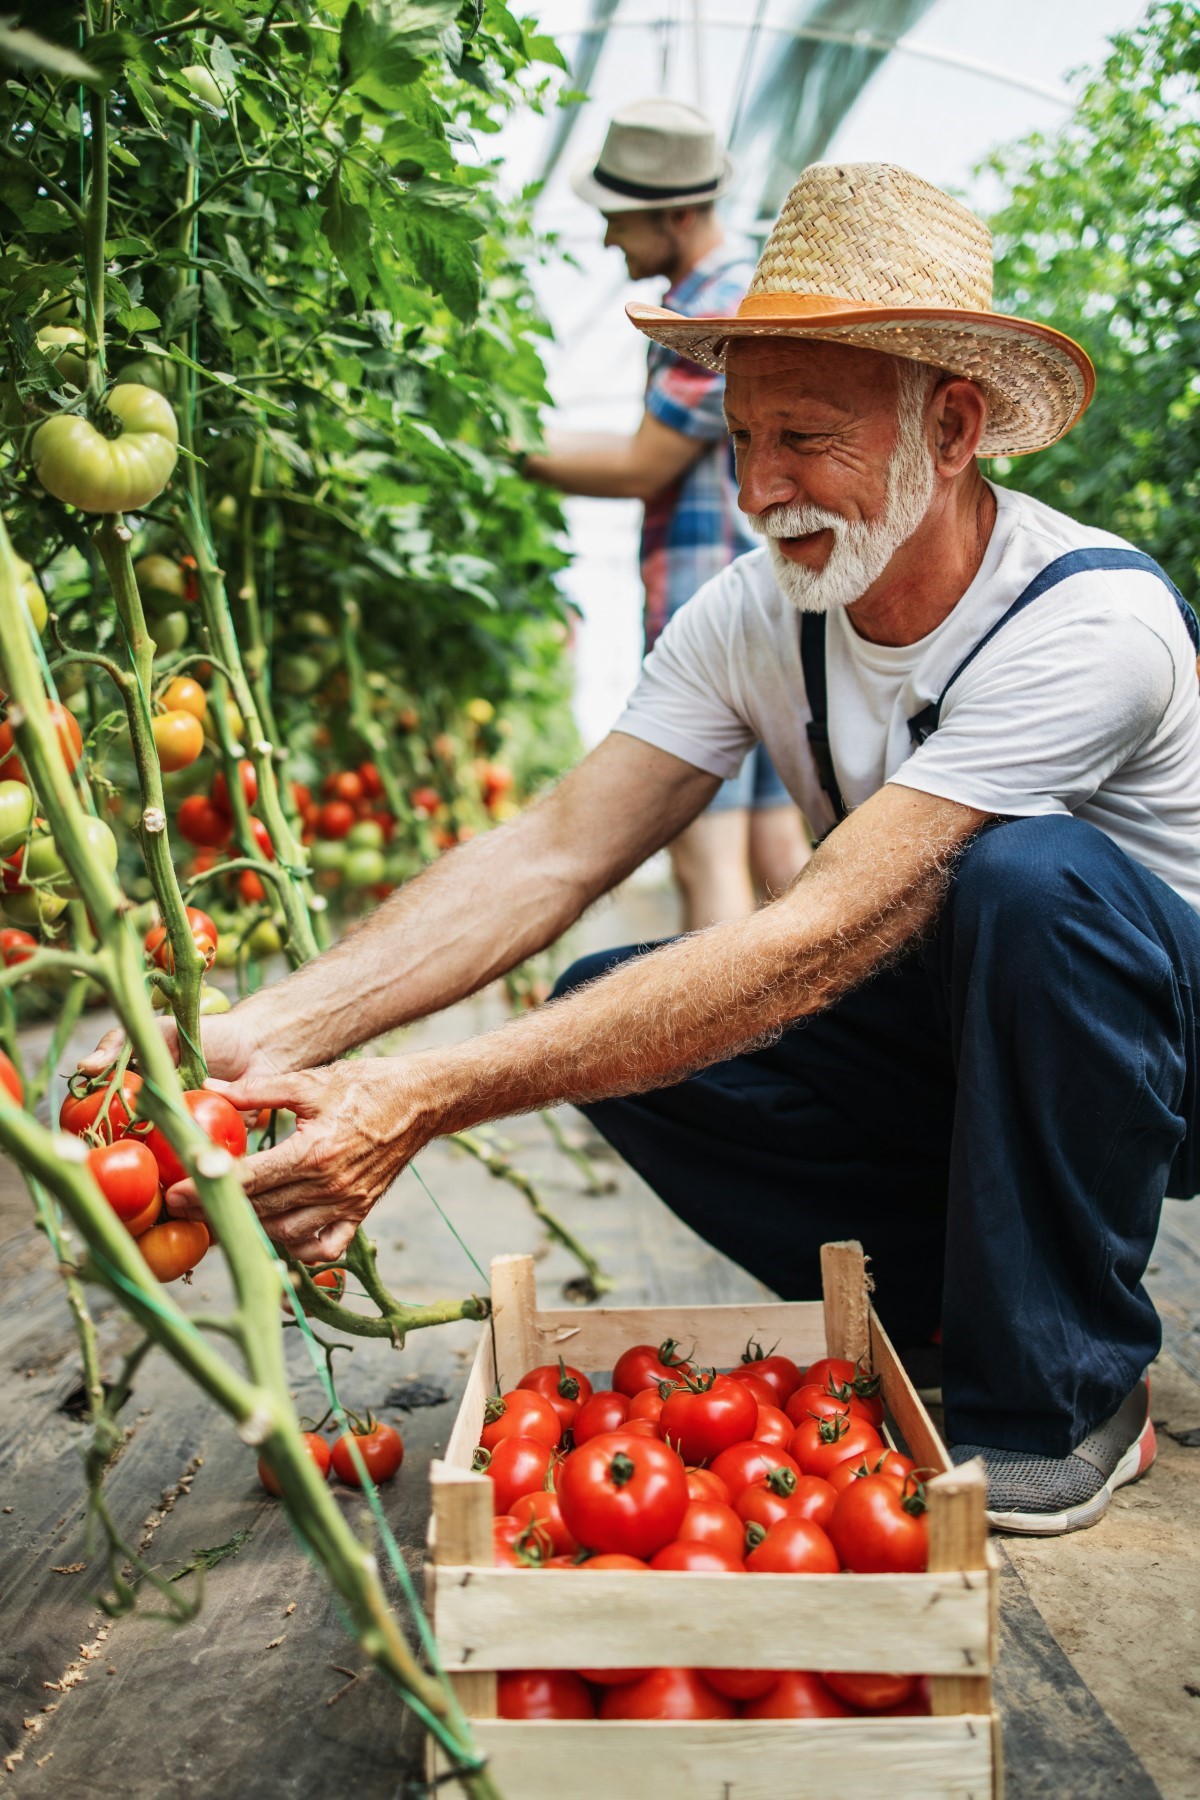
<point x="100" y="473"/>
<point x="366" y="835"/>
<point x="169" y="631"/>
<point x="326" y="854"/>
<point x="43" y="862"/>
<point x="155" y="372"/>
<point x="201" y="83"/>
<point x="310" y="624"/>
<point x="159" y="579"/>
<point x="265" y="940"/>
<point x="212" y="1000"/>
<point x="66" y="347"/>
<point x="16" y="815"/>
<point x="34" y="906"/>
<point x="297" y="675"/>
<point x="32" y="595"/>
<point x="364" y="868"/>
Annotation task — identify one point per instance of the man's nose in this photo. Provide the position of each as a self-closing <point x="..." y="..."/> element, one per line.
<point x="763" y="480"/>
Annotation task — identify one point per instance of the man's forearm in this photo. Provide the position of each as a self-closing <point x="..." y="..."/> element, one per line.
<point x="598" y="464"/>
<point x="706" y="997"/>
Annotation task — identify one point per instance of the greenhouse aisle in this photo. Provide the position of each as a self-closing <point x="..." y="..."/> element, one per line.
<point x="1096" y="1700"/>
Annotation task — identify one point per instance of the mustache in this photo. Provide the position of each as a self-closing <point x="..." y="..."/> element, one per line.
<point x="796" y="521"/>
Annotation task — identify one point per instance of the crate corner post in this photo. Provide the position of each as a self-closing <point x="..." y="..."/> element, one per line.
<point x="461" y="1536"/>
<point x="847" y="1295"/>
<point x="958" y="1540"/>
<point x="514" y="1317"/>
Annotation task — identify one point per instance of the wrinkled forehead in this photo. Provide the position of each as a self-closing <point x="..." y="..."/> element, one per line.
<point x="792" y="369"/>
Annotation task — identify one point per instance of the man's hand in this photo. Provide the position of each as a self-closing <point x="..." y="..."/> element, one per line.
<point x="231" y="1049"/>
<point x="357" y="1125"/>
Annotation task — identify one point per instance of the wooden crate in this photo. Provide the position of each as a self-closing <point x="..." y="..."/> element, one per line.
<point x="940" y="1624"/>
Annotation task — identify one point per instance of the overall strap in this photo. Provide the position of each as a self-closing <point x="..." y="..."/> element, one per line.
<point x="1075" y="562"/>
<point x="812" y="659"/>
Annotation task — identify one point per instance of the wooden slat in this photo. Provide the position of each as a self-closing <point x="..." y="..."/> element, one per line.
<point x="461" y="1532"/>
<point x="958" y="1539"/>
<point x="514" y="1310"/>
<point x="511" y="1618"/>
<point x="593" y="1338"/>
<point x="905" y="1404"/>
<point x="468" y="1420"/>
<point x="811" y="1759"/>
<point x="847" y="1300"/>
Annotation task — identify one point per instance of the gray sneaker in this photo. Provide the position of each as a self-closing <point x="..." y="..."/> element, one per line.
<point x="1044" y="1496"/>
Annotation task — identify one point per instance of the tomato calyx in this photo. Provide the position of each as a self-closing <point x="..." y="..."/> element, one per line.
<point x="568" y="1387"/>
<point x="692" y="1381"/>
<point x="105" y="421"/>
<point x="621" y="1469"/>
<point x="481" y="1461"/>
<point x="831" y="1431"/>
<point x="669" y="1357"/>
<point x="914" y="1504"/>
<point x="754" y="1352"/>
<point x="781" y="1481"/>
<point x="755" y="1533"/>
<point x="495" y="1408"/>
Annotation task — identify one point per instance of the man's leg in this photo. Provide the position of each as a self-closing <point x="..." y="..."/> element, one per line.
<point x="710" y="862"/>
<point x="1067" y="973"/>
<point x="779" y="839"/>
<point x="840" y="1129"/>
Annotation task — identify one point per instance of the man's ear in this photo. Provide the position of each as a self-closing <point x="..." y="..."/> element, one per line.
<point x="959" y="411"/>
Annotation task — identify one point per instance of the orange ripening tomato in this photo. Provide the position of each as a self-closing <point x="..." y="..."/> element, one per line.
<point x="204" y="936"/>
<point x="343" y="784"/>
<point x="178" y="738"/>
<point x="215" y="1116"/>
<point x="317" y="1448"/>
<point x="138" y="1226"/>
<point x="16" y="946"/>
<point x="10" y="1080"/>
<point x="185" y="695"/>
<point x="174" y="1248"/>
<point x="251" y="891"/>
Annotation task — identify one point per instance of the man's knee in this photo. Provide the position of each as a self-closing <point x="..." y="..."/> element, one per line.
<point x="1024" y="873"/>
<point x="589" y="968"/>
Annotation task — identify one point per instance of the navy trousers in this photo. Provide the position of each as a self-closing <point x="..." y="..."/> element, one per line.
<point x="997" y="1117"/>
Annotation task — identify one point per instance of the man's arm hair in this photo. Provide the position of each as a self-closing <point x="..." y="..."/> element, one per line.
<point x="484" y="907"/>
<point x="608" y="466"/>
<point x="875" y="884"/>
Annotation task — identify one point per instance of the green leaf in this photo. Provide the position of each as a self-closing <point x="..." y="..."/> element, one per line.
<point x="347" y="227"/>
<point x="25" y="50"/>
<point x="182" y="309"/>
<point x="384" y="43"/>
<point x="137" y="318"/>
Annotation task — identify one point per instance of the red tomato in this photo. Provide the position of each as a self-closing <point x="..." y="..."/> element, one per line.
<point x="873" y="1693"/>
<point x="917" y="1706"/>
<point x="70" y="743"/>
<point x="684" y="1555"/>
<point x="779" y="1372"/>
<point x="786" y="1496"/>
<point x="763" y="1392"/>
<point x="566" y="1389"/>
<point x="426" y="801"/>
<point x="219" y="792"/>
<point x="10" y="1079"/>
<point x="343" y="784"/>
<point x="542" y="1510"/>
<point x="204" y="936"/>
<point x="798" y="1694"/>
<point x="711" y="1522"/>
<point x="317" y="1448"/>
<point x="893" y="1463"/>
<point x="137" y="1227"/>
<point x="372" y="781"/>
<point x="262" y="839"/>
<point x="794" y="1547"/>
<point x="523" y="1414"/>
<point x="335" y="819"/>
<point x="126" y="1174"/>
<point x="622" y="1492"/>
<point x="666" y="1694"/>
<point x="773" y="1427"/>
<point x="879" y="1529"/>
<point x="614" y="1559"/>
<point x="813" y="1402"/>
<point x="743" y="1463"/>
<point x="381" y="1448"/>
<point x="517" y="1466"/>
<point x="843" y="1373"/>
<point x="251" y="891"/>
<point x="80" y="1109"/>
<point x="647" y="1404"/>
<point x="707" y="1416"/>
<point x="542" y="1694"/>
<point x="704" y="1485"/>
<point x="642" y="1428"/>
<point x="605" y="1411"/>
<point x="216" y="1118"/>
<point x="517" y="1544"/>
<point x="643" y="1366"/>
<point x="819" y="1445"/>
<point x="178" y="738"/>
<point x="173" y="1248"/>
<point x="202" y="823"/>
<point x="16" y="946"/>
<point x="741" y="1684"/>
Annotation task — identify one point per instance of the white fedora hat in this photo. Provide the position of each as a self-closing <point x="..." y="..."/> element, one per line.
<point x="868" y="254"/>
<point x="656" y="153"/>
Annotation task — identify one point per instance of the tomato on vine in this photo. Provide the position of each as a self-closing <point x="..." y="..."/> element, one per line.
<point x="174" y="1248"/>
<point x="219" y="792"/>
<point x="126" y="1174"/>
<point x="203" y="824"/>
<point x="185" y="695"/>
<point x="178" y="738"/>
<point x="70" y="744"/>
<point x="118" y="463"/>
<point x="204" y="935"/>
<point x="16" y="946"/>
<point x="10" y="1080"/>
<point x="220" y="1121"/>
<point x="81" y="1108"/>
<point x="16" y="811"/>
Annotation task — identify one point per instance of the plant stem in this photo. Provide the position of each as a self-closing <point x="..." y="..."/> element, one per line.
<point x="497" y="1164"/>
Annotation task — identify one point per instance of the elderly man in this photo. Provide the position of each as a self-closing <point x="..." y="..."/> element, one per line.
<point x="967" y="1034"/>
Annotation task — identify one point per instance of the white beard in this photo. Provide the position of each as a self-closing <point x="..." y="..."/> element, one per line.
<point x="862" y="549"/>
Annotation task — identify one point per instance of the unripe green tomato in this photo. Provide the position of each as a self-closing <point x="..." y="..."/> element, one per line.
<point x="364" y="868"/>
<point x="158" y="999"/>
<point x="326" y="854"/>
<point x="212" y="1000"/>
<point x="58" y="310"/>
<point x="366" y="835"/>
<point x="66" y="348"/>
<point x="159" y="578"/>
<point x="43" y="862"/>
<point x="81" y="464"/>
<point x="298" y="675"/>
<point x="265" y="940"/>
<point x="227" y="952"/>
<point x="309" y="624"/>
<point x="225" y="512"/>
<point x="34" y="906"/>
<point x="32" y="595"/>
<point x="16" y="814"/>
<point x="155" y="372"/>
<point x="169" y="631"/>
<point x="71" y="682"/>
<point x="201" y="83"/>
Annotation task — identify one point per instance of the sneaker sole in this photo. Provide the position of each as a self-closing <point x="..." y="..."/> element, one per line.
<point x="1133" y="1464"/>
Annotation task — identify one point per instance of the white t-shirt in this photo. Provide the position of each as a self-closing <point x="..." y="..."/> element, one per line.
<point x="1086" y="702"/>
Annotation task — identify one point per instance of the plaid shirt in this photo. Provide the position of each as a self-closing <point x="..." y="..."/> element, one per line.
<point x="693" y="528"/>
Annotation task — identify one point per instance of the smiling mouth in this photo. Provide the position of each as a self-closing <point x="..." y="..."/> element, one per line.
<point x="798" y="549"/>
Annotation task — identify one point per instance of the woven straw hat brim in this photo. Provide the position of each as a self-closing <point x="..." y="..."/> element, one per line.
<point x="1038" y="381"/>
<point x="609" y="201"/>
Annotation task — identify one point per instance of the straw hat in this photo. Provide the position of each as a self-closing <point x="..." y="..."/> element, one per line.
<point x="656" y="153"/>
<point x="870" y="255"/>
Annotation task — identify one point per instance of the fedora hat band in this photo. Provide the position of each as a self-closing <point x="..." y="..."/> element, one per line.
<point x="638" y="190"/>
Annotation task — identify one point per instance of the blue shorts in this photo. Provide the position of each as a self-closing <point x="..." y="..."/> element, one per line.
<point x="755" y="787"/>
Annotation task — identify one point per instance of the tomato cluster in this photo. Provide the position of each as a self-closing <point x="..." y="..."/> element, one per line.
<point x="380" y="1447"/>
<point x="134" y="1163"/>
<point x="765" y="1469"/>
